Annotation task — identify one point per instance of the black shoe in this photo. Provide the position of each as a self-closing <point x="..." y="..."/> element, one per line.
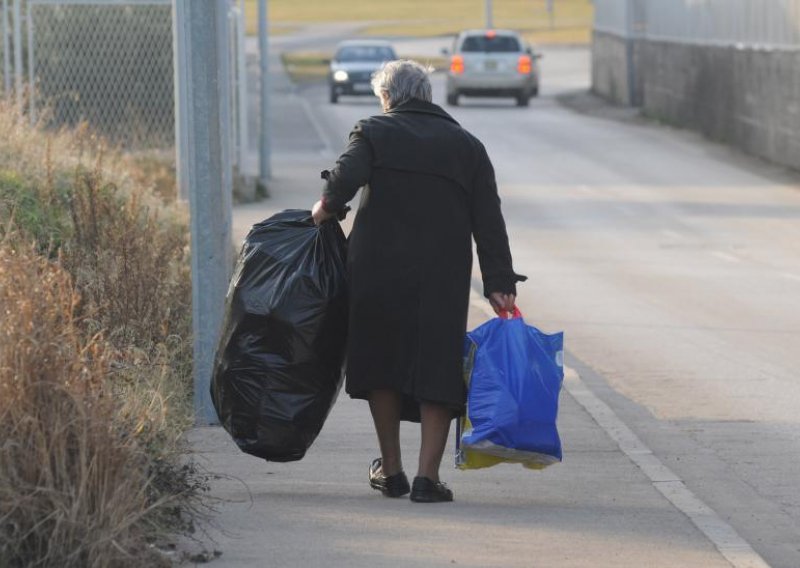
<point x="393" y="486"/>
<point x="426" y="490"/>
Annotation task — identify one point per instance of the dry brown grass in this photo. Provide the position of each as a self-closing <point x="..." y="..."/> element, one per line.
<point x="131" y="269"/>
<point x="154" y="169"/>
<point x="73" y="478"/>
<point x="95" y="356"/>
<point x="124" y="243"/>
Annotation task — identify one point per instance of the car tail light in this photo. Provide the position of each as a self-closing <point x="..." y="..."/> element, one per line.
<point x="524" y="64"/>
<point x="457" y="65"/>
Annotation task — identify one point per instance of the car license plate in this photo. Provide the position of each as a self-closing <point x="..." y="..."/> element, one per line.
<point x="362" y="87"/>
<point x="490" y="65"/>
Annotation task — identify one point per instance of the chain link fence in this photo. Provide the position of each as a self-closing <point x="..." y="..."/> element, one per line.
<point x="108" y="63"/>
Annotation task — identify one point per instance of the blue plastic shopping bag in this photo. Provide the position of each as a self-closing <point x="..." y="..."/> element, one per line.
<point x="514" y="374"/>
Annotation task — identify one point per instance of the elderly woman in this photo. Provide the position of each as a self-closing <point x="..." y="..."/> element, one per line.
<point x="429" y="187"/>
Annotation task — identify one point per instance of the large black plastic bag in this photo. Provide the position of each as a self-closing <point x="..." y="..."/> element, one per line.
<point x="278" y="367"/>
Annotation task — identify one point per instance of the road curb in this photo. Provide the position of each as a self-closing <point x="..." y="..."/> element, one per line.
<point x="723" y="536"/>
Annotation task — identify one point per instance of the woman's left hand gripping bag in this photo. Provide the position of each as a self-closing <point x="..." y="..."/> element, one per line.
<point x="279" y="363"/>
<point x="514" y="374"/>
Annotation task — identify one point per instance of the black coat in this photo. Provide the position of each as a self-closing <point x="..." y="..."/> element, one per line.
<point x="429" y="187"/>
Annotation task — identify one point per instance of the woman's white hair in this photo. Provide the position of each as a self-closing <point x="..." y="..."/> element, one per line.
<point x="402" y="80"/>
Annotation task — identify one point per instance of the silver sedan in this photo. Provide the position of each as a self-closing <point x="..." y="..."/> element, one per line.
<point x="492" y="63"/>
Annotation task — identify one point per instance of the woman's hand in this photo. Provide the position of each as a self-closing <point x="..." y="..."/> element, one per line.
<point x="502" y="302"/>
<point x="319" y="214"/>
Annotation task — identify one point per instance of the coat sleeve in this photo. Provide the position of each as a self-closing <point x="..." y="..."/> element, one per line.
<point x="489" y="231"/>
<point x="352" y="171"/>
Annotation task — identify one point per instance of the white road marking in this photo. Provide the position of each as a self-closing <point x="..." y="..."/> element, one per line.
<point x="725" y="256"/>
<point x="723" y="536"/>
<point x="733" y="547"/>
<point x="791" y="276"/>
<point x="327" y="147"/>
<point x="670" y="234"/>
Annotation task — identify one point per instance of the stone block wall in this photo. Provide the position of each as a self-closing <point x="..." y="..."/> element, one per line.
<point x="746" y="97"/>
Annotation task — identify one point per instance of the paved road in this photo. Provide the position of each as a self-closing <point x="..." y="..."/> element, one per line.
<point x="673" y="266"/>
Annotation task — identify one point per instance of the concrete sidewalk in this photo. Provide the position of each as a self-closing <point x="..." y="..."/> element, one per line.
<point x="595" y="509"/>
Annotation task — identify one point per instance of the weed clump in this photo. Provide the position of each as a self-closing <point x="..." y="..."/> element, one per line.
<point x="95" y="356"/>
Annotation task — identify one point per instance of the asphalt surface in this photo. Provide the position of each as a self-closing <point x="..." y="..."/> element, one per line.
<point x="673" y="266"/>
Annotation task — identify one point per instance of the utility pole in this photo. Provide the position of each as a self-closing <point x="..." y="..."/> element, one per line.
<point x="202" y="115"/>
<point x="551" y="12"/>
<point x="489" y="19"/>
<point x="265" y="148"/>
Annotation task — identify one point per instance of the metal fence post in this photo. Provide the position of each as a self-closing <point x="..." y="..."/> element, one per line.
<point x="31" y="68"/>
<point x="6" y="51"/>
<point x="18" y="52"/>
<point x="181" y="134"/>
<point x="225" y="94"/>
<point x="265" y="147"/>
<point x="233" y="78"/>
<point x="241" y="91"/>
<point x="204" y="162"/>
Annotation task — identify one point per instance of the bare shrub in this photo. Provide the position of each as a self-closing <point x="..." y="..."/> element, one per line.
<point x="131" y="268"/>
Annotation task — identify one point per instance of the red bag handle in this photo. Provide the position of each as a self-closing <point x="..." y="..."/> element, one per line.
<point x="505" y="314"/>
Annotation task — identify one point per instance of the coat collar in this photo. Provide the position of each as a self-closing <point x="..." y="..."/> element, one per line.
<point x="420" y="106"/>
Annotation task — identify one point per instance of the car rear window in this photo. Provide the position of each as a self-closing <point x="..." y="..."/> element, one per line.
<point x="365" y="53"/>
<point x="490" y="44"/>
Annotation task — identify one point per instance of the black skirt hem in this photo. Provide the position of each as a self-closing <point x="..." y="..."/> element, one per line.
<point x="411" y="404"/>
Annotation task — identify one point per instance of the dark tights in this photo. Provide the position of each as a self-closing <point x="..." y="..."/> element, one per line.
<point x="386" y="406"/>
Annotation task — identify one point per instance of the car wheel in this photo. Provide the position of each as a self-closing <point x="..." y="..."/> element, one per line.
<point x="452" y="100"/>
<point x="523" y="99"/>
<point x="334" y="97"/>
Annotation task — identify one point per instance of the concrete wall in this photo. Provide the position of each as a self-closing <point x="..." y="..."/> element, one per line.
<point x="746" y="97"/>
<point x="749" y="98"/>
<point x="610" y="67"/>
